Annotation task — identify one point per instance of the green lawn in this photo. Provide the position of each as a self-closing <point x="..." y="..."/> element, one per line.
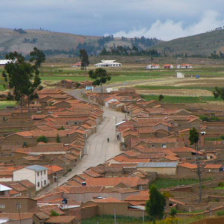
<point x="4" y="104"/>
<point x="166" y="183"/>
<point x="173" y="87"/>
<point x="181" y="99"/>
<point x="129" y="220"/>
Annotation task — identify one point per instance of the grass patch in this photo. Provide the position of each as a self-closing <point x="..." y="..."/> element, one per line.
<point x="131" y="220"/>
<point x="4" y="104"/>
<point x="173" y="87"/>
<point x="181" y="99"/>
<point x="166" y="183"/>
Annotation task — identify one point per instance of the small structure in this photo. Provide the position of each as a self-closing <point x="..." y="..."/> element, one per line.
<point x="89" y="88"/>
<point x="36" y="174"/>
<point x="168" y="66"/>
<point x="152" y="66"/>
<point x="184" y="66"/>
<point x="108" y="63"/>
<point x="180" y="75"/>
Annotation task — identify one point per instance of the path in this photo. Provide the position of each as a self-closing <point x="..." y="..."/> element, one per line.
<point x="98" y="149"/>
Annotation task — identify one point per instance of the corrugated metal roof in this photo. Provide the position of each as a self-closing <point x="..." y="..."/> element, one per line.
<point x="4" y="188"/>
<point x="158" y="164"/>
<point x="36" y="168"/>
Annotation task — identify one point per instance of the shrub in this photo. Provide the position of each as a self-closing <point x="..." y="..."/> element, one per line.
<point x="58" y="139"/>
<point x="54" y="213"/>
<point x="173" y="212"/>
<point x="42" y="139"/>
<point x="221" y="184"/>
<point x="220" y="213"/>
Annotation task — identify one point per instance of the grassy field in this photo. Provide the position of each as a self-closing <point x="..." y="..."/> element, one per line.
<point x="181" y="99"/>
<point x="166" y="183"/>
<point x="130" y="220"/>
<point x="4" y="104"/>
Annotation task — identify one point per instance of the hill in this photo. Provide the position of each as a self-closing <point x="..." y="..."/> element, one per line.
<point x="63" y="44"/>
<point x="198" y="45"/>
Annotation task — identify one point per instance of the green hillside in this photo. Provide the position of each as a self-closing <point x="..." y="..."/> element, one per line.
<point x="62" y="44"/>
<point x="198" y="45"/>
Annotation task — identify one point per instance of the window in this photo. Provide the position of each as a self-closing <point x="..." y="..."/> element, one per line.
<point x="2" y="206"/>
<point x="44" y="171"/>
<point x="45" y="182"/>
<point x="18" y="206"/>
<point x="38" y="174"/>
<point x="163" y="146"/>
<point x="38" y="184"/>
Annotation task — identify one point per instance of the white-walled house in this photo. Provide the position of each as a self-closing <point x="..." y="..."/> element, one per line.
<point x="108" y="63"/>
<point x="152" y="66"/>
<point x="5" y="61"/>
<point x="36" y="174"/>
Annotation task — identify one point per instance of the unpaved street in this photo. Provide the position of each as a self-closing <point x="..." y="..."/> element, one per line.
<point x="98" y="149"/>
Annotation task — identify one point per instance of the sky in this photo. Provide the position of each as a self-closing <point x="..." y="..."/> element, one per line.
<point x="162" y="19"/>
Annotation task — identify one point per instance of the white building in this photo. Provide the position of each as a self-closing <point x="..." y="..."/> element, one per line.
<point x="152" y="66"/>
<point x="36" y="174"/>
<point x="180" y="75"/>
<point x="5" y="61"/>
<point x="108" y="63"/>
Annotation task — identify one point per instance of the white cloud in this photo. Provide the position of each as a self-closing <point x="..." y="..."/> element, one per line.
<point x="169" y="29"/>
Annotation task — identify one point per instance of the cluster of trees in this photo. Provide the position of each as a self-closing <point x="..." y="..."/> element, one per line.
<point x="22" y="77"/>
<point x="129" y="51"/>
<point x="217" y="55"/>
<point x="21" y="31"/>
<point x="30" y="41"/>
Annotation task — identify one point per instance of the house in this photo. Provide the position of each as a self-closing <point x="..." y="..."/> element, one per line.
<point x="163" y="168"/>
<point x="168" y="66"/>
<point x="5" y="61"/>
<point x="108" y="63"/>
<point x="17" y="204"/>
<point x="152" y="66"/>
<point x="77" y="64"/>
<point x="36" y="174"/>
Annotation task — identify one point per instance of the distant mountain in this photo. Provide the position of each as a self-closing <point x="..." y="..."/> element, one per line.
<point x="63" y="44"/>
<point x="199" y="45"/>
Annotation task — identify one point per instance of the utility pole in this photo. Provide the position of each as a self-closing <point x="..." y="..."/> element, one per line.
<point x="115" y="217"/>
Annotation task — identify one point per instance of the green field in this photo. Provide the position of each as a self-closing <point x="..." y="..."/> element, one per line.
<point x="4" y="104"/>
<point x="181" y="99"/>
<point x="166" y="183"/>
<point x="131" y="220"/>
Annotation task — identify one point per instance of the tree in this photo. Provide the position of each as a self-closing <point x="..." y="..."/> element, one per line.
<point x="219" y="92"/>
<point x="173" y="212"/>
<point x="194" y="139"/>
<point x="42" y="139"/>
<point x="84" y="59"/>
<point x="161" y="97"/>
<point x="58" y="139"/>
<point x="22" y="76"/>
<point x="155" y="206"/>
<point x="100" y="75"/>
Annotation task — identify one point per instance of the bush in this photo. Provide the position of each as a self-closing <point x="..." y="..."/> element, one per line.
<point x="221" y="184"/>
<point x="220" y="213"/>
<point x="173" y="212"/>
<point x="42" y="139"/>
<point x="58" y="140"/>
<point x="54" y="213"/>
